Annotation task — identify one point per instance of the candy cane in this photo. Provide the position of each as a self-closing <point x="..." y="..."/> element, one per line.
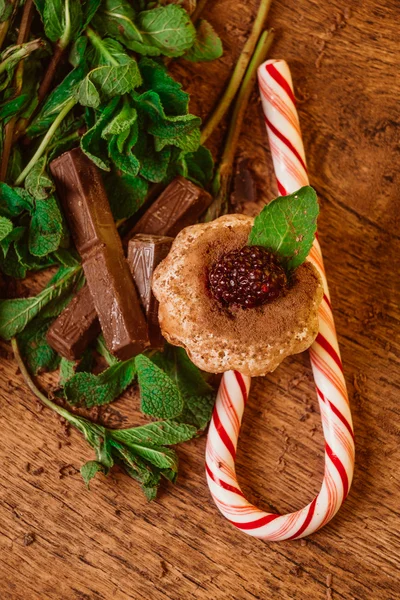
<point x="287" y="150"/>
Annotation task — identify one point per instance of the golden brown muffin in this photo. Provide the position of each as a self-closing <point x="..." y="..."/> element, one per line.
<point x="253" y="341"/>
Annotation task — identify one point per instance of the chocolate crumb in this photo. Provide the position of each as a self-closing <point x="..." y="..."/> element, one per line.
<point x="164" y="568"/>
<point x="67" y="470"/>
<point x="37" y="471"/>
<point x="27" y="467"/>
<point x="29" y="538"/>
<point x="65" y="426"/>
<point x="118" y="513"/>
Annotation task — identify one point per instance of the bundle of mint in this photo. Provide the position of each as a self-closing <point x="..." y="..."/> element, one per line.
<point x="94" y="74"/>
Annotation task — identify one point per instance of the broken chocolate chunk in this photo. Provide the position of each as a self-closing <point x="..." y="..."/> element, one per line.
<point x="96" y="238"/>
<point x="145" y="252"/>
<point x="76" y="326"/>
<point x="179" y="205"/>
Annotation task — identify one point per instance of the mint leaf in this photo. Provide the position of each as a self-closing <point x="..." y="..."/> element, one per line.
<point x="122" y="122"/>
<point x="160" y="397"/>
<point x="188" y="142"/>
<point x="92" y="143"/>
<point x="117" y="19"/>
<point x="89" y="9"/>
<point x="66" y="258"/>
<point x="163" y="125"/>
<point x="90" y="470"/>
<point x="104" y="351"/>
<point x="12" y="107"/>
<point x="87" y="94"/>
<point x="156" y="78"/>
<point x="56" y="101"/>
<point x="67" y="370"/>
<point x="125" y="161"/>
<point x="161" y="433"/>
<point x="16" y="314"/>
<point x="137" y="468"/>
<point x="159" y="456"/>
<point x="116" y="74"/>
<point x="58" y="22"/>
<point x="6" y="9"/>
<point x="25" y="258"/>
<point x="199" y="166"/>
<point x="6" y="227"/>
<point x="86" y="389"/>
<point x="78" y="51"/>
<point x="13" y="201"/>
<point x="45" y="231"/>
<point x="198" y="395"/>
<point x="11" y="265"/>
<point x="154" y="165"/>
<point x="207" y="45"/>
<point x="287" y="226"/>
<point x="165" y="30"/>
<point x="16" y="234"/>
<point x="37" y="353"/>
<point x="126" y="194"/>
<point x="37" y="183"/>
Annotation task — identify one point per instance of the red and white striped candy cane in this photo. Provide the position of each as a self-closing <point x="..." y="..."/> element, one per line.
<point x="287" y="150"/>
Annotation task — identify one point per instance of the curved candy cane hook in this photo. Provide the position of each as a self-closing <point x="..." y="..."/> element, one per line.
<point x="287" y="150"/>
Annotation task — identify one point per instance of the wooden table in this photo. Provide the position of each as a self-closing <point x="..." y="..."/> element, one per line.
<point x="109" y="543"/>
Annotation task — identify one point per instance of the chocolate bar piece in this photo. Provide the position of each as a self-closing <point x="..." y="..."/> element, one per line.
<point x="145" y="252"/>
<point x="96" y="238"/>
<point x="76" y="326"/>
<point x="179" y="205"/>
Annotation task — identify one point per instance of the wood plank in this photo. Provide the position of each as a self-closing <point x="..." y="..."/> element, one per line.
<point x="109" y="543"/>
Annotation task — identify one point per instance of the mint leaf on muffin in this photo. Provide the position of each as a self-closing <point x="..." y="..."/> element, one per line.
<point x="287" y="226"/>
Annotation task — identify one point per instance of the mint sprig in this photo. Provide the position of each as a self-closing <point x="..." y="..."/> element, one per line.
<point x="143" y="452"/>
<point x="287" y="226"/>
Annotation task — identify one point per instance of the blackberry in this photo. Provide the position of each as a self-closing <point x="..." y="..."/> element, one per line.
<point x="247" y="277"/>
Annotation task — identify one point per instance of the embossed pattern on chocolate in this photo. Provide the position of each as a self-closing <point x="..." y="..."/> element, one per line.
<point x="180" y="205"/>
<point x="145" y="252"/>
<point x="76" y="326"/>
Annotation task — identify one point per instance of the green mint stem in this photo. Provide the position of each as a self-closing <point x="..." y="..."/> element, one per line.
<point x="23" y="52"/>
<point x="65" y="38"/>
<point x="223" y="175"/>
<point x="46" y="140"/>
<point x="76" y="135"/>
<point x="98" y="44"/>
<point x="238" y="72"/>
<point x="33" y="387"/>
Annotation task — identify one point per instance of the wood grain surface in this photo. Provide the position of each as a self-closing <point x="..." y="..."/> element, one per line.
<point x="60" y="542"/>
